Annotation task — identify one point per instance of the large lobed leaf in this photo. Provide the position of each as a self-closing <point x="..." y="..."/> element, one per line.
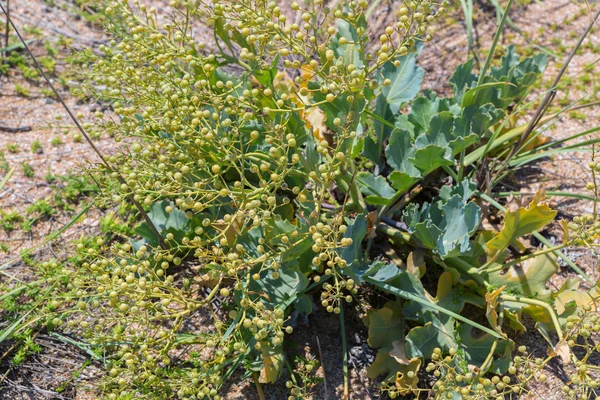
<point x="445" y="226"/>
<point x="519" y="223"/>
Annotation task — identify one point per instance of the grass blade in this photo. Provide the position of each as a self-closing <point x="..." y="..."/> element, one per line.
<point x="467" y="7"/>
<point x="7" y="177"/>
<point x="551" y="194"/>
<point x="488" y="60"/>
<point x="50" y="237"/>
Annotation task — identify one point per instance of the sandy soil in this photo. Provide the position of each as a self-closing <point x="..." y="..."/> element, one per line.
<point x="439" y="58"/>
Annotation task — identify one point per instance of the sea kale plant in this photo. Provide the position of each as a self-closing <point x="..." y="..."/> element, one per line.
<point x="291" y="157"/>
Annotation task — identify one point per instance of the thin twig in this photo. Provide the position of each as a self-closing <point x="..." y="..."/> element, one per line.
<point x="121" y="180"/>
<point x="11" y="129"/>
<point x="7" y="29"/>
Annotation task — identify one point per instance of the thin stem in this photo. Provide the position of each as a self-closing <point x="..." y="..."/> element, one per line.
<point x="426" y="302"/>
<point x="290" y="369"/>
<point x="371" y="8"/>
<point x="7" y="29"/>
<point x="461" y="167"/>
<point x="488" y="359"/>
<point x="259" y="388"/>
<point x="539" y="303"/>
<point x="344" y="353"/>
<point x="551" y="194"/>
<point x="323" y="366"/>
<point x="399" y="201"/>
<point x="356" y="195"/>
<point x="453" y="174"/>
<point x="488" y="60"/>
<point x="521" y="259"/>
<point x="595" y="202"/>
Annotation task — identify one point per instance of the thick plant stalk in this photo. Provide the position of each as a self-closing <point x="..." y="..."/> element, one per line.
<point x="121" y="180"/>
<point x="259" y="388"/>
<point x="539" y="303"/>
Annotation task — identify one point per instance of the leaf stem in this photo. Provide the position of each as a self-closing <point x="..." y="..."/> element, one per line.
<point x="521" y="259"/>
<point x="539" y="303"/>
<point x="393" y="233"/>
<point x="453" y="174"/>
<point x="259" y="388"/>
<point x="413" y="297"/>
<point x="355" y="194"/>
<point x="344" y="353"/>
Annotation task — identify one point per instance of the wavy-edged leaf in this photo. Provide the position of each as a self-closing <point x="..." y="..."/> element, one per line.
<point x="405" y="80"/>
<point x="349" y="52"/>
<point x="521" y="222"/>
<point x="401" y="181"/>
<point x="377" y="189"/>
<point x="460" y="222"/>
<point x="385" y="325"/>
<point x="399" y="151"/>
<point x="462" y="79"/>
<point x="430" y="158"/>
<point x="383" y="125"/>
<point x="421" y="340"/>
<point x="476" y="120"/>
<point x="357" y="230"/>
<point x="528" y="280"/>
<point x="492" y="302"/>
<point x="272" y="358"/>
<point x="422" y="110"/>
<point x="444" y="227"/>
<point x="476" y="347"/>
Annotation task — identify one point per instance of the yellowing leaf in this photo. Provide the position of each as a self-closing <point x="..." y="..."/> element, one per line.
<point x="313" y="116"/>
<point x="491" y="298"/>
<point x="231" y="230"/>
<point x="561" y="350"/>
<point x="404" y="383"/>
<point x="579" y="297"/>
<point x="415" y="263"/>
<point x="445" y="287"/>
<point x="272" y="363"/>
<point x="519" y="223"/>
<point x="528" y="279"/>
<point x="399" y="352"/>
<point x="564" y="225"/>
<point x="385" y="325"/>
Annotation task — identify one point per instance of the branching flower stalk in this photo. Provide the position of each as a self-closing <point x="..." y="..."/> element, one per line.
<point x="226" y="142"/>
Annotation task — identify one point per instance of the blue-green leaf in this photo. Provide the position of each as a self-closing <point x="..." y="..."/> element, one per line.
<point x="399" y="151"/>
<point x="377" y="189"/>
<point x="430" y="158"/>
<point x="405" y="80"/>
